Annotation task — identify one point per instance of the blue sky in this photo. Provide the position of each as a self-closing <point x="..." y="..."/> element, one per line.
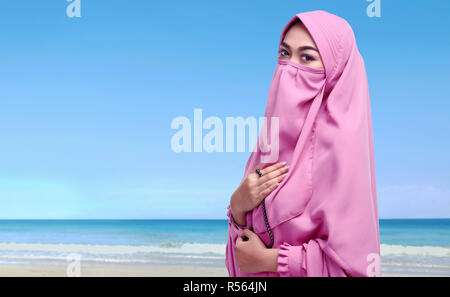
<point x="86" y="103"/>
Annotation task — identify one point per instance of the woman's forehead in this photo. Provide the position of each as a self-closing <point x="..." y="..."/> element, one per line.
<point x="298" y="36"/>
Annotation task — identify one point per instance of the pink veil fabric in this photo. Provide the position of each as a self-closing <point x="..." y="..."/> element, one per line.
<point x="331" y="179"/>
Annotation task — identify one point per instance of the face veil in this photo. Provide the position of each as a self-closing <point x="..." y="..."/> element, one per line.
<point x="325" y="135"/>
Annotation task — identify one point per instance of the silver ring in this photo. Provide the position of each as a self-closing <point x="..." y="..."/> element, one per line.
<point x="259" y="172"/>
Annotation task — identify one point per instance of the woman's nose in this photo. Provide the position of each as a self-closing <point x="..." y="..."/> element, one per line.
<point x="295" y="58"/>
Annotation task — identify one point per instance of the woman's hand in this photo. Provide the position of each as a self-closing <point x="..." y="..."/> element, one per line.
<point x="253" y="189"/>
<point x="252" y="255"/>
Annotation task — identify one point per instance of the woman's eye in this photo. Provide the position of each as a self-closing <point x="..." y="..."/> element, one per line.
<point x="307" y="58"/>
<point x="284" y="53"/>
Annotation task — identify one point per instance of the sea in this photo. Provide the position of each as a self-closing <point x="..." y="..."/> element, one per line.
<point x="408" y="246"/>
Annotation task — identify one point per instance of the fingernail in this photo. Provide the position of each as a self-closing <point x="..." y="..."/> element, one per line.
<point x="284" y="162"/>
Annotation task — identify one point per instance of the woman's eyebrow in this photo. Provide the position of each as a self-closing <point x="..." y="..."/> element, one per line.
<point x="302" y="48"/>
<point x="286" y="45"/>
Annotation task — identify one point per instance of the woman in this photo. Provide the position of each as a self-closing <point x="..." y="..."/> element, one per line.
<point x="316" y="215"/>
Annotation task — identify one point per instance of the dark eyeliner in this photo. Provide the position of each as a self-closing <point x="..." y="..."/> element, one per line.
<point x="309" y="58"/>
<point x="283" y="50"/>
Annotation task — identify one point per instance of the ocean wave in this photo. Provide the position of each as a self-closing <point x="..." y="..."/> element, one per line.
<point x="200" y="249"/>
<point x="165" y="248"/>
<point x="415" y="265"/>
<point x="118" y="260"/>
<point x="421" y="251"/>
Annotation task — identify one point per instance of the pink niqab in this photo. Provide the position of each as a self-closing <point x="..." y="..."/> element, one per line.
<point x="324" y="214"/>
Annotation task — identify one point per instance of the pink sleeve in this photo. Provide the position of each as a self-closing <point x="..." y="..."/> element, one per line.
<point x="306" y="260"/>
<point x="290" y="260"/>
<point x="234" y="230"/>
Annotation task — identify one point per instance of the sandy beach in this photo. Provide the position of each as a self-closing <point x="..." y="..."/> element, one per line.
<point x="113" y="270"/>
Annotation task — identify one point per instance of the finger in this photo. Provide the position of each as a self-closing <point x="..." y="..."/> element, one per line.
<point x="244" y="232"/>
<point x="273" y="174"/>
<point x="272" y="181"/>
<point x="253" y="172"/>
<point x="273" y="167"/>
<point x="263" y="194"/>
<point x="248" y="234"/>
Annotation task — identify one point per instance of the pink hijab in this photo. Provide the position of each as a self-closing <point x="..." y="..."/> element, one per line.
<point x="328" y="109"/>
